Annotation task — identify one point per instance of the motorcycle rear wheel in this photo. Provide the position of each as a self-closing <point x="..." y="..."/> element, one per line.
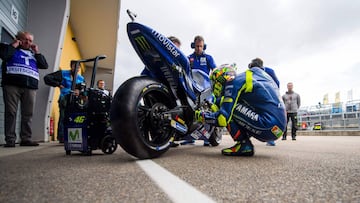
<point x="136" y="117"/>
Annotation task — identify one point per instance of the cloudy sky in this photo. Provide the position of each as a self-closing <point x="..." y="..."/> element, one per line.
<point x="313" y="43"/>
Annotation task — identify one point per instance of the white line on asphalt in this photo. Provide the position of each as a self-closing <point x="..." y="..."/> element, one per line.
<point x="177" y="189"/>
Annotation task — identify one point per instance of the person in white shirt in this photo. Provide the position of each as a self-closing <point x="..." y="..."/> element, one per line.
<point x="101" y="86"/>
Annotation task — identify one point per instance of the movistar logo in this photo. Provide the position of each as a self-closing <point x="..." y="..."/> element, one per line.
<point x="166" y="43"/>
<point x="74" y="135"/>
<point x="141" y="41"/>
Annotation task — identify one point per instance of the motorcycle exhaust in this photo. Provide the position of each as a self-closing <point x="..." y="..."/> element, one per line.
<point x="179" y="125"/>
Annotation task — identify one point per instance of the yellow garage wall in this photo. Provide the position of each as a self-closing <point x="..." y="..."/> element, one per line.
<point x="70" y="52"/>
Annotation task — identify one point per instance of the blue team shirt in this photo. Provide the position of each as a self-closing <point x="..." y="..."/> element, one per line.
<point x="204" y="62"/>
<point x="67" y="81"/>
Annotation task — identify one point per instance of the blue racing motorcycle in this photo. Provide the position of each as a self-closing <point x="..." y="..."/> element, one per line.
<point x="149" y="112"/>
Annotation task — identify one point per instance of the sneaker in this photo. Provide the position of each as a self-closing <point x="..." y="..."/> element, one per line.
<point x="9" y="144"/>
<point x="270" y="143"/>
<point x="29" y="143"/>
<point x="206" y="144"/>
<point x="293" y="138"/>
<point x="240" y="149"/>
<point x="188" y="142"/>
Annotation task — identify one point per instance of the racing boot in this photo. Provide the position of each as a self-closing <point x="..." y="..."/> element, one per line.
<point x="241" y="148"/>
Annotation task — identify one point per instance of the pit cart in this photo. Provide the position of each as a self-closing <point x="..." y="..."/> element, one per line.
<point x="87" y="122"/>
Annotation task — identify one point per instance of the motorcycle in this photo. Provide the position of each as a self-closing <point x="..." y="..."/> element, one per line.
<point x="149" y="113"/>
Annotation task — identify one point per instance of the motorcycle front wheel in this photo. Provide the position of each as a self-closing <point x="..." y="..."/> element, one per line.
<point x="137" y="118"/>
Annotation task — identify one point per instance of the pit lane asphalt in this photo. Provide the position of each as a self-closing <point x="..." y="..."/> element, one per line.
<point x="310" y="169"/>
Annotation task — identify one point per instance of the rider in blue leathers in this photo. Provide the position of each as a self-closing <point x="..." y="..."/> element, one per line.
<point x="250" y="106"/>
<point x="271" y="72"/>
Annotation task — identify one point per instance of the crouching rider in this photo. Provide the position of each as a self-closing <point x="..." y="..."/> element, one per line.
<point x="249" y="106"/>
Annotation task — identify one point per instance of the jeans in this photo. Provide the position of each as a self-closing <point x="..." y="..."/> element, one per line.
<point x="62" y="106"/>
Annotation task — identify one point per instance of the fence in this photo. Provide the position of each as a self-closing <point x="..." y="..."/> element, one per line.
<point x="331" y="117"/>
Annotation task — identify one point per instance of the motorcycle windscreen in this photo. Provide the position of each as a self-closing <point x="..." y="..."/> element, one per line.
<point x="160" y="56"/>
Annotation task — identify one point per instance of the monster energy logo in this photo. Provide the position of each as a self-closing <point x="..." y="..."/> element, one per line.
<point x="141" y="41"/>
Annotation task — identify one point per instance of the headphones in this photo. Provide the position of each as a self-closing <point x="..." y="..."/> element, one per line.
<point x="198" y="38"/>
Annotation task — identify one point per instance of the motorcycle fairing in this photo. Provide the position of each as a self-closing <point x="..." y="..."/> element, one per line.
<point x="164" y="60"/>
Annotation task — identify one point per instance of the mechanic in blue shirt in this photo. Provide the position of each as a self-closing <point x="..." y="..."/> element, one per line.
<point x="250" y="106"/>
<point x="199" y="59"/>
<point x="201" y="65"/>
<point x="63" y="79"/>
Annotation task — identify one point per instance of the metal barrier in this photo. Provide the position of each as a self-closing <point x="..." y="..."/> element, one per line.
<point x="332" y="121"/>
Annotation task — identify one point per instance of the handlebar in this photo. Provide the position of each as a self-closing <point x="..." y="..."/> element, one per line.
<point x="131" y="15"/>
<point x="95" y="59"/>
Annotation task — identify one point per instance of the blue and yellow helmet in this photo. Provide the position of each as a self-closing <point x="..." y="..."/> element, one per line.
<point x="220" y="76"/>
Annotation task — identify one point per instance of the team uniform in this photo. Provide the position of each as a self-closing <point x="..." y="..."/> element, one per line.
<point x="203" y="62"/>
<point x="251" y="106"/>
<point x="271" y="72"/>
<point x="64" y="78"/>
<point x="201" y="67"/>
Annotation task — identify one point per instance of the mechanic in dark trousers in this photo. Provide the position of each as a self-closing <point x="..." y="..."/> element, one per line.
<point x="200" y="62"/>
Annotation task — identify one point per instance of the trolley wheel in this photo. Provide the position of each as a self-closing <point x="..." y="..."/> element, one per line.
<point x="68" y="152"/>
<point x="108" y="144"/>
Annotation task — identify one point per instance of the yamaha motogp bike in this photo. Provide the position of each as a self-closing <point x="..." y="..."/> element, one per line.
<point x="148" y="113"/>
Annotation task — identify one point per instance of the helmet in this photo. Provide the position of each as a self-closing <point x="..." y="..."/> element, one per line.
<point x="220" y="76"/>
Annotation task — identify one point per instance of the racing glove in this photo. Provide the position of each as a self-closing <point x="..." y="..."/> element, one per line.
<point x="199" y="116"/>
<point x="214" y="108"/>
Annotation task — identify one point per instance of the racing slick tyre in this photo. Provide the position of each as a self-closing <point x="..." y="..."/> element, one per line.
<point x="137" y="117"/>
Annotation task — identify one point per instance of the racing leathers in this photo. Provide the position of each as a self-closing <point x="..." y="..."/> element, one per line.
<point x="251" y="106"/>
